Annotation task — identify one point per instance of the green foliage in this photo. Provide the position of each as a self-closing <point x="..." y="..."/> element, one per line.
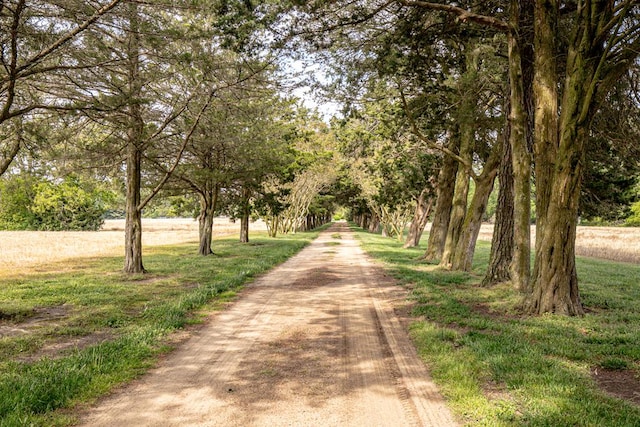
<point x="16" y="195"/>
<point x="634" y="219"/>
<point x="499" y="368"/>
<point x="30" y="203"/>
<point x="612" y="157"/>
<point x="172" y="207"/>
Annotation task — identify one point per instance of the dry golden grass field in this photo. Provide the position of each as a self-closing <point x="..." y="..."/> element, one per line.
<point x="612" y="243"/>
<point x="28" y="251"/>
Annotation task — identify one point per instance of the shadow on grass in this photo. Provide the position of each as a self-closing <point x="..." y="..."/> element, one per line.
<point x="498" y="367"/>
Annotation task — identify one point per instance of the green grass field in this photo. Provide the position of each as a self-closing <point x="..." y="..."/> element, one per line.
<point x="71" y="334"/>
<point x="497" y="367"/>
<point x="70" y="337"/>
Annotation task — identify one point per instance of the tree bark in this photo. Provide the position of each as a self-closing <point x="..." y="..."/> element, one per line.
<point x="444" y="204"/>
<point x="466" y="123"/>
<point x="463" y="254"/>
<point x="208" y="202"/>
<point x="502" y="242"/>
<point x="244" y="228"/>
<point x="374" y="223"/>
<point x="555" y="288"/>
<point x="133" y="218"/>
<point x="420" y="218"/>
<point x="521" y="157"/>
<point x="545" y="82"/>
<point x="456" y="220"/>
<point x="244" y="218"/>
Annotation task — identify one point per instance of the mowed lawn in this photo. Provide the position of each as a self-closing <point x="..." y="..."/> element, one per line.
<point x="498" y="367"/>
<point x="73" y="326"/>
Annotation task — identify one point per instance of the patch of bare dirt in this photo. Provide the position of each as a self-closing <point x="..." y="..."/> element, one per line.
<point x="61" y="346"/>
<point x="38" y="317"/>
<point x="46" y="317"/>
<point x="620" y="383"/>
<point x="316" y="342"/>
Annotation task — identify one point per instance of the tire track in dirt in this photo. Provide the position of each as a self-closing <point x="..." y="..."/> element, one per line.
<point x="315" y="342"/>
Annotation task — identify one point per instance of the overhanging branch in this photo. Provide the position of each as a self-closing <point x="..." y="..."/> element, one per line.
<point x="463" y="14"/>
<point x="465" y="164"/>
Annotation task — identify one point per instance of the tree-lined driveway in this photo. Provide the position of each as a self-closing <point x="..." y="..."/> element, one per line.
<point x="315" y="342"/>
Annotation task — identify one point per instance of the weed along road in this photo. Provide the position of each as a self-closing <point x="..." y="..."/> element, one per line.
<point x="315" y="342"/>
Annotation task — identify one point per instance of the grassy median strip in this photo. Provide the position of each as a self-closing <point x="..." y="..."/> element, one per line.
<point x="497" y="367"/>
<point x="71" y="334"/>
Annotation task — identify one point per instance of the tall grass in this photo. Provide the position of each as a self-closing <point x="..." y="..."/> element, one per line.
<point x="497" y="367"/>
<point x="130" y="318"/>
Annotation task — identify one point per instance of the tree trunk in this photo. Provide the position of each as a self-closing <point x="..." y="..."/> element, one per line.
<point x="444" y="203"/>
<point x="133" y="215"/>
<point x="502" y="245"/>
<point x="208" y="204"/>
<point x="555" y="288"/>
<point x="521" y="265"/>
<point x="244" y="218"/>
<point x="133" y="218"/>
<point x="545" y="83"/>
<point x="244" y="228"/>
<point x="456" y="221"/>
<point x="374" y="223"/>
<point x="463" y="254"/>
<point x="466" y="124"/>
<point x="420" y="218"/>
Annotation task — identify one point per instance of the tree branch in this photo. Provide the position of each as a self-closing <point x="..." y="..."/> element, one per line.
<point x="463" y="14"/>
<point x="65" y="38"/>
<point x="185" y="141"/>
<point x="465" y="164"/>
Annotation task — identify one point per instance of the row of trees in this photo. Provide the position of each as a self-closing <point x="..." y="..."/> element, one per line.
<point x="542" y="93"/>
<point x="167" y="95"/>
<point x="440" y="98"/>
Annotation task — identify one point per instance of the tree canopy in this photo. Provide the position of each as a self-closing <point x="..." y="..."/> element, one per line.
<point x="439" y="101"/>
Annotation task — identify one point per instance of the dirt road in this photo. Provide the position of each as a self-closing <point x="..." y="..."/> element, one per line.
<point x="313" y="343"/>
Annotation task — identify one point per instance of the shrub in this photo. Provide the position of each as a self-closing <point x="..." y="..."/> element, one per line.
<point x="16" y="195"/>
<point x="29" y="203"/>
<point x="634" y="219"/>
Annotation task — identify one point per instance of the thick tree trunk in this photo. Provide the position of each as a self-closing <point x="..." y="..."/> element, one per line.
<point x="456" y="221"/>
<point x="466" y="122"/>
<point x="502" y="245"/>
<point x="374" y="223"/>
<point x="205" y="227"/>
<point x="244" y="228"/>
<point x="545" y="83"/>
<point x="205" y="231"/>
<point x="420" y="218"/>
<point x="444" y="204"/>
<point x="555" y="288"/>
<point x="208" y="202"/>
<point x="466" y="245"/>
<point x="521" y="157"/>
